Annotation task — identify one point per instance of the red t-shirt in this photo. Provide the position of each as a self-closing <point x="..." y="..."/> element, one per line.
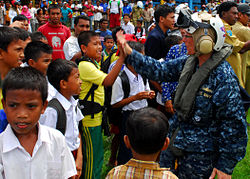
<point x="56" y="36"/>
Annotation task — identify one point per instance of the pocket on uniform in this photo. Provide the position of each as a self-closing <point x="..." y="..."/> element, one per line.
<point x="54" y="170"/>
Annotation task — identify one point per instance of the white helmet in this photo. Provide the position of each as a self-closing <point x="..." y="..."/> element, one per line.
<point x="204" y="21"/>
<point x="140" y="4"/>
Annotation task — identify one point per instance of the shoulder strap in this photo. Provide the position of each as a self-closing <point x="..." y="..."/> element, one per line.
<point x="125" y="84"/>
<point x="61" y="115"/>
<point x="105" y="64"/>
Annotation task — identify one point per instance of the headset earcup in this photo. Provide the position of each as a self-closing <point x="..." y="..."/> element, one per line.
<point x="205" y="45"/>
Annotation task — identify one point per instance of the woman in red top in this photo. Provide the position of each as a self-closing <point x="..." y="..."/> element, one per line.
<point x="90" y="12"/>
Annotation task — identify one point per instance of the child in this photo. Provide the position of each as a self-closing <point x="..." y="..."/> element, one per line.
<point x="34" y="150"/>
<point x="128" y="27"/>
<point x="38" y="36"/>
<point x="136" y="99"/>
<point x="108" y="44"/>
<point x="63" y="75"/>
<point x="140" y="31"/>
<point x="92" y="100"/>
<point x="146" y="137"/>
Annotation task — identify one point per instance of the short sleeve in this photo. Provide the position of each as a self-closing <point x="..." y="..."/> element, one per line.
<point x="117" y="91"/>
<point x="49" y="118"/>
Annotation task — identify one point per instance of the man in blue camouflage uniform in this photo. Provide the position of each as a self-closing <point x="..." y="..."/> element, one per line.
<point x="212" y="135"/>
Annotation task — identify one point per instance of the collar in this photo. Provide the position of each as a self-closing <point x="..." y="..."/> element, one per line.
<point x="157" y="27"/>
<point x="66" y="104"/>
<point x="11" y="142"/>
<point x="54" y="26"/>
<point x="226" y="24"/>
<point x="143" y="164"/>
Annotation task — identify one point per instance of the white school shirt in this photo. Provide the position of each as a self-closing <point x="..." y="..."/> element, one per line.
<point x="49" y="118"/>
<point x="136" y="86"/>
<point x="113" y="6"/>
<point x="129" y="28"/>
<point x="98" y="15"/>
<point x="51" y="157"/>
<point x="71" y="47"/>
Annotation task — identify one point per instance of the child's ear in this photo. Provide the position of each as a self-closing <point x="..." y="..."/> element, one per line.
<point x="127" y="142"/>
<point x="1" y="54"/>
<point x="31" y="62"/>
<point x="3" y="102"/>
<point x="166" y="143"/>
<point x="83" y="48"/>
<point x="45" y="104"/>
<point x="63" y="84"/>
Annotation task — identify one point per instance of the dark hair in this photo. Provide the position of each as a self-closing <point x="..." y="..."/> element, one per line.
<point x="59" y="70"/>
<point x="7" y="35"/>
<point x="53" y="6"/>
<point x="107" y="37"/>
<point x="38" y="10"/>
<point x="23" y="34"/>
<point x="37" y="36"/>
<point x="126" y="14"/>
<point x="114" y="31"/>
<point x="172" y="40"/>
<point x="139" y="47"/>
<point x="81" y="17"/>
<point x="84" y="37"/>
<point x="26" y="78"/>
<point x="225" y="6"/>
<point x="146" y="5"/>
<point x="147" y="129"/>
<point x="20" y="17"/>
<point x="162" y="10"/>
<point x="35" y="49"/>
<point x="102" y="20"/>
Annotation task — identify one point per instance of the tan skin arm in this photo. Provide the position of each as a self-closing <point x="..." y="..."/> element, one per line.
<point x="79" y="159"/>
<point x="246" y="47"/>
<point x="76" y="56"/>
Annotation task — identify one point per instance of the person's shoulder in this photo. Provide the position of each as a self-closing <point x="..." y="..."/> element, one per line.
<point x="116" y="171"/>
<point x="44" y="26"/>
<point x="51" y="134"/>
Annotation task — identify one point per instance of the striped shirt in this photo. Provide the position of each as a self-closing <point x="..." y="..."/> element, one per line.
<point x="140" y="169"/>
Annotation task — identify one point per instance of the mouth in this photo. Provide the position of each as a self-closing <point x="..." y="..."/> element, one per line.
<point x="22" y="125"/>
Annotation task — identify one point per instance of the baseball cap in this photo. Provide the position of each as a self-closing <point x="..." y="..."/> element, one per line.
<point x="244" y="8"/>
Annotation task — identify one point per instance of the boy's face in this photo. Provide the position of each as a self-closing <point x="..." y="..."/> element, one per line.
<point x="94" y="48"/>
<point x="74" y="82"/>
<point x="109" y="43"/>
<point x="42" y="62"/>
<point x="23" y="109"/>
<point x="126" y="19"/>
<point x="138" y="24"/>
<point x="14" y="55"/>
<point x="104" y="25"/>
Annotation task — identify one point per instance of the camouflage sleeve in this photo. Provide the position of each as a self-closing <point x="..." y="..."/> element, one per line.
<point x="154" y="69"/>
<point x="232" y="131"/>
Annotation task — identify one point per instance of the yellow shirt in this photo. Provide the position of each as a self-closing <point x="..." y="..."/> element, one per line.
<point x="89" y="74"/>
<point x="243" y="34"/>
<point x="1" y="97"/>
<point x="234" y="59"/>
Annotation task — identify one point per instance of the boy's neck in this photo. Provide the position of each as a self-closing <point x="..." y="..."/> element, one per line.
<point x="108" y="50"/>
<point x="132" y="70"/>
<point x="66" y="95"/>
<point x="4" y="71"/>
<point x="143" y="157"/>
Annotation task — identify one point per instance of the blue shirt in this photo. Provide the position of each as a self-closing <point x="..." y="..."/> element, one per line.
<point x="105" y="6"/>
<point x="218" y="122"/>
<point x="126" y="10"/>
<point x="65" y="13"/>
<point x="102" y="35"/>
<point x="155" y="44"/>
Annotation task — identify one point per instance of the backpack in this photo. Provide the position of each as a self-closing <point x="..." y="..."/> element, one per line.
<point x="105" y="64"/>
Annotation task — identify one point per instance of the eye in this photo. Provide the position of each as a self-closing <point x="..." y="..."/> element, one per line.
<point x="12" y="105"/>
<point x="31" y="105"/>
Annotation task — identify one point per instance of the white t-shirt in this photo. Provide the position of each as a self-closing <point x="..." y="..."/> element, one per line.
<point x="114" y="7"/>
<point x="51" y="157"/>
<point x="49" y="118"/>
<point x="71" y="47"/>
<point x="98" y="15"/>
<point x="136" y="86"/>
<point x="129" y="28"/>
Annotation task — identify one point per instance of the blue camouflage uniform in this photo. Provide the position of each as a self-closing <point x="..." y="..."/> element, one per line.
<point x="216" y="134"/>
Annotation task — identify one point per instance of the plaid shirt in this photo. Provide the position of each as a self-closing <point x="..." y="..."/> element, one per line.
<point x="140" y="169"/>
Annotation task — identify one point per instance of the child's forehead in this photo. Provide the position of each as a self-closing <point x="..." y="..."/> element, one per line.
<point x="29" y="94"/>
<point x="95" y="38"/>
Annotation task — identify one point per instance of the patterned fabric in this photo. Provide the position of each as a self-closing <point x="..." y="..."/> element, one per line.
<point x="169" y="87"/>
<point x="140" y="169"/>
<point x="218" y="121"/>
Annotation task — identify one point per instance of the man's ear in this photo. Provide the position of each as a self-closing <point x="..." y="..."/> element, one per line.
<point x="127" y="142"/>
<point x="1" y="53"/>
<point x="161" y="19"/>
<point x="166" y="143"/>
<point x="83" y="48"/>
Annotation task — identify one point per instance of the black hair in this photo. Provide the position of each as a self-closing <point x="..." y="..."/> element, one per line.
<point x="53" y="6"/>
<point x="102" y="20"/>
<point x="107" y="37"/>
<point x="23" y="34"/>
<point x="146" y="5"/>
<point x="162" y="10"/>
<point x="35" y="49"/>
<point x="84" y="37"/>
<point x="20" y="17"/>
<point x="26" y="78"/>
<point x="172" y="40"/>
<point x="81" y="17"/>
<point x="59" y="70"/>
<point x="139" y="47"/>
<point x="7" y="35"/>
<point x="126" y="14"/>
<point x="147" y="129"/>
<point x="37" y="36"/>
<point x="225" y="6"/>
<point x="139" y="20"/>
<point x="38" y="10"/>
<point x="114" y="31"/>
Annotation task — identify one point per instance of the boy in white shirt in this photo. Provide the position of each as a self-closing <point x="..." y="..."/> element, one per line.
<point x="64" y="76"/>
<point x="128" y="27"/>
<point x="137" y="99"/>
<point x="28" y="149"/>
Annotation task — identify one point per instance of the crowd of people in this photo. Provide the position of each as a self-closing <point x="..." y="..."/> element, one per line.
<point x="166" y="82"/>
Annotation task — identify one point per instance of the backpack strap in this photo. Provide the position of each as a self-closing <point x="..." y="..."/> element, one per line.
<point x="125" y="84"/>
<point x="105" y="64"/>
<point x="61" y="115"/>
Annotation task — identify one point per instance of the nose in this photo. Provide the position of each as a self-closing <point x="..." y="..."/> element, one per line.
<point x="22" y="114"/>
